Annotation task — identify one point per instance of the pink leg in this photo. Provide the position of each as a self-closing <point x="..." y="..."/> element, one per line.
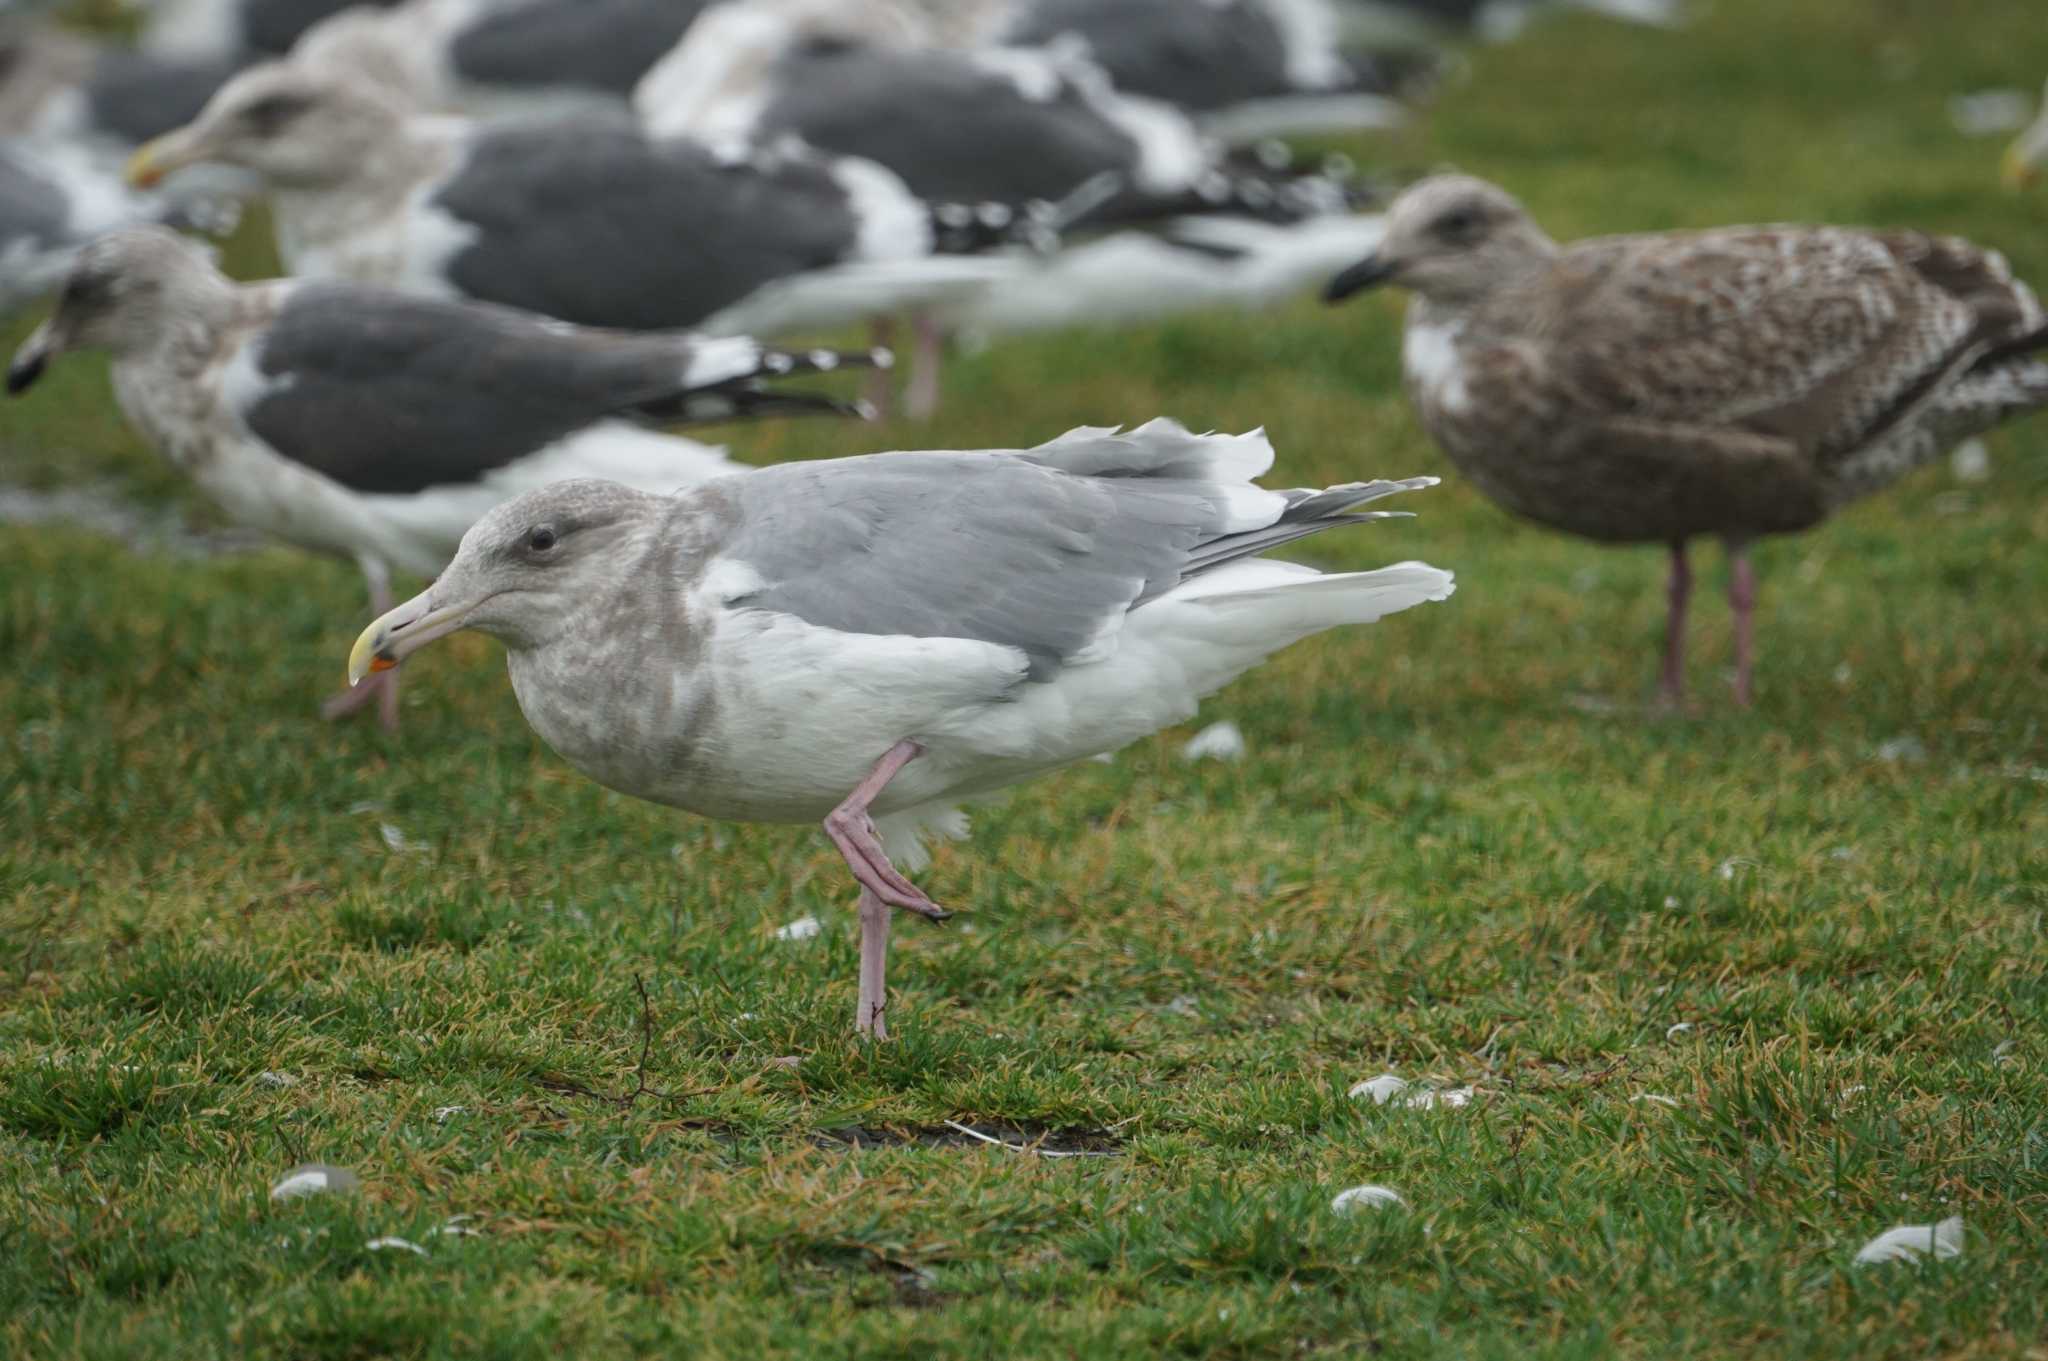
<point x="921" y="397"/>
<point x="1742" y="600"/>
<point x="882" y="886"/>
<point x="881" y="381"/>
<point x="381" y="686"/>
<point x="874" y="964"/>
<point x="1671" y="686"/>
<point x="853" y="832"/>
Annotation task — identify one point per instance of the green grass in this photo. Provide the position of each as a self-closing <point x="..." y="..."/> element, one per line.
<point x="1457" y="850"/>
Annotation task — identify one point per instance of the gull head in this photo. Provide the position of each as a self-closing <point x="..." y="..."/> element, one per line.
<point x="526" y="573"/>
<point x="124" y="293"/>
<point x="297" y="126"/>
<point x="1452" y="239"/>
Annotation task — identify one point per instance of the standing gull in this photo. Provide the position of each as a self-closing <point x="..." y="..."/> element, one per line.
<point x="586" y="219"/>
<point x="377" y="427"/>
<point x="870" y="641"/>
<point x="1737" y="382"/>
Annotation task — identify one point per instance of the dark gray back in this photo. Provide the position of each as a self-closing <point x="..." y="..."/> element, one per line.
<point x="136" y="96"/>
<point x="388" y="393"/>
<point x="954" y="132"/>
<point x="595" y="44"/>
<point x="590" y="221"/>
<point x="272" y="26"/>
<point x="1199" y="56"/>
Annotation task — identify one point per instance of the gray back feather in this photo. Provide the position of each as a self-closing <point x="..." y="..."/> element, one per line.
<point x="994" y="547"/>
<point x="1000" y="547"/>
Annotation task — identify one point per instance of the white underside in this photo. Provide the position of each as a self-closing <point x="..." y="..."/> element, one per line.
<point x="1135" y="276"/>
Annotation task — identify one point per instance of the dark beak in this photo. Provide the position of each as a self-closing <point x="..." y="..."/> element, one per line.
<point x="30" y="361"/>
<point x="1370" y="272"/>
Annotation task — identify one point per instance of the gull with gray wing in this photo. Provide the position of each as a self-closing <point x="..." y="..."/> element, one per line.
<point x="587" y="219"/>
<point x="871" y="641"/>
<point x="378" y="427"/>
<point x="1735" y="382"/>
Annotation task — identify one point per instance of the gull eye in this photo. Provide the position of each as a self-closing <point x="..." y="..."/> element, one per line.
<point x="541" y="539"/>
<point x="1460" y="224"/>
<point x="270" y="113"/>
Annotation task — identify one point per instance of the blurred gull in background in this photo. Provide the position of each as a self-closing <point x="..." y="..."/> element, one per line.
<point x="376" y="427"/>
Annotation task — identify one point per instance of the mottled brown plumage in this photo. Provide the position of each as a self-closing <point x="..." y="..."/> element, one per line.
<point x="1735" y="382"/>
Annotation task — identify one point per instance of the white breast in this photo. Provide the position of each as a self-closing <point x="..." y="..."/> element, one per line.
<point x="1435" y="370"/>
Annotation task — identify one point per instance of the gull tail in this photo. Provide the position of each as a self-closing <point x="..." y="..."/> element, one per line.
<point x="1309" y="602"/>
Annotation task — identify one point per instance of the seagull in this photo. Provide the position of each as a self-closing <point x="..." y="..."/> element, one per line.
<point x="870" y="641"/>
<point x="2029" y="151"/>
<point x="1736" y="382"/>
<point x="1247" y="68"/>
<point x="585" y="219"/>
<point x="377" y="427"/>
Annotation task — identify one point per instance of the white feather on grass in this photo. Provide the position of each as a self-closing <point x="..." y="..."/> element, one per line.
<point x="312" y="1179"/>
<point x="1218" y="742"/>
<point x="1367" y="1198"/>
<point x="1912" y="1242"/>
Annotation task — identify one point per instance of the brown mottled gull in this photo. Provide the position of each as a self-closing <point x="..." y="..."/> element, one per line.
<point x="870" y="641"/>
<point x="1736" y="382"/>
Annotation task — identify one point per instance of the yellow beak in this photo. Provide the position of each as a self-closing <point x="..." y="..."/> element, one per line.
<point x="401" y="632"/>
<point x="155" y="159"/>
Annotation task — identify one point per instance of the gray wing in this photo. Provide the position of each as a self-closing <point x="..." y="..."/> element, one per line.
<point x="994" y="547"/>
<point x="592" y="44"/>
<point x="591" y="221"/>
<point x="953" y="130"/>
<point x="1202" y="57"/>
<point x="1000" y="547"/>
<point x="1824" y="338"/>
<point x="394" y="394"/>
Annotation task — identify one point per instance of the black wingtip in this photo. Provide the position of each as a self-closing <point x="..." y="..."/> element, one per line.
<point x="22" y="376"/>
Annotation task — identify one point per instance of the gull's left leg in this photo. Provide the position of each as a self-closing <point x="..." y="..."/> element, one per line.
<point x="928" y="354"/>
<point x="882" y="885"/>
<point x="1742" y="601"/>
<point x="381" y="686"/>
<point x="874" y="965"/>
